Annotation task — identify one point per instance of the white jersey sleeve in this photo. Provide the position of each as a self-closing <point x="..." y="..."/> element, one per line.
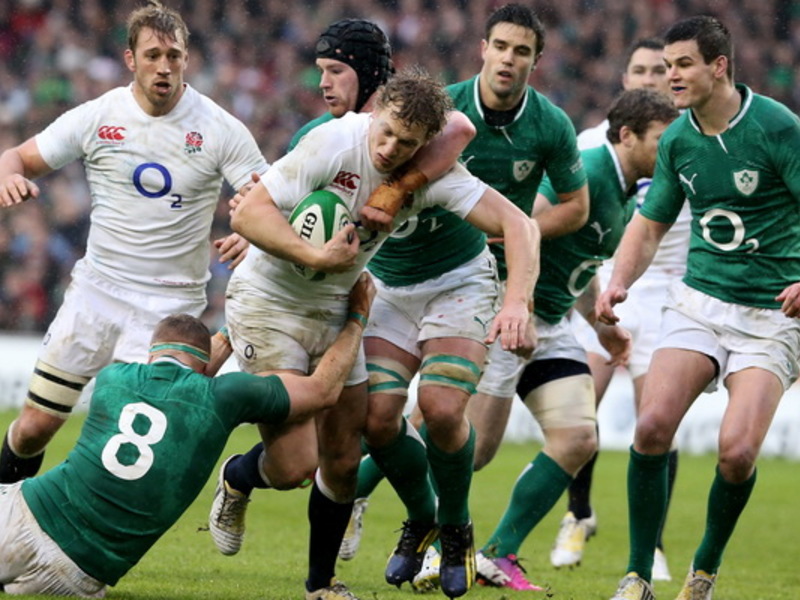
<point x="593" y="136"/>
<point x="457" y="191"/>
<point x="155" y="183"/>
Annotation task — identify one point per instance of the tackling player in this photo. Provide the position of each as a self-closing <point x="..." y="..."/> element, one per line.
<point x="134" y="471"/>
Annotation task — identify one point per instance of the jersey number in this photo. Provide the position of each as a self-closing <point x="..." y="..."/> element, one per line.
<point x="166" y="187"/>
<point x="142" y="442"/>
<point x="411" y="225"/>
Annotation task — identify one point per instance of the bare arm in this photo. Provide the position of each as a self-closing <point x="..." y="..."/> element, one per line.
<point x="18" y="166"/>
<point x="440" y="154"/>
<point x="634" y="255"/>
<point x="496" y="215"/>
<point x="615" y="339"/>
<point x="260" y="221"/>
<point x="570" y="214"/>
<point x="431" y="162"/>
<point x="323" y="387"/>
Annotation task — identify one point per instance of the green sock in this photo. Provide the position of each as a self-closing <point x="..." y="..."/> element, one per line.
<point x="452" y="473"/>
<point x="647" y="505"/>
<point x="537" y="490"/>
<point x="369" y="476"/>
<point x="726" y="501"/>
<point x="404" y="462"/>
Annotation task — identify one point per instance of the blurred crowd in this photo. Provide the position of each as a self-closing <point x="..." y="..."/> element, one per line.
<point x="255" y="58"/>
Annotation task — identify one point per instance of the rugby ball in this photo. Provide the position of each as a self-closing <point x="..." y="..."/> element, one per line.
<point x="318" y="217"/>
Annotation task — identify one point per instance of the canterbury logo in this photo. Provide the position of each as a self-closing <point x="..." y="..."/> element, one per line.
<point x="111" y="133"/>
<point x="345" y="180"/>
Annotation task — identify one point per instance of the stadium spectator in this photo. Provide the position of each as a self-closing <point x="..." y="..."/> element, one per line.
<point x="84" y="524"/>
<point x="155" y="154"/>
<point x="735" y="155"/>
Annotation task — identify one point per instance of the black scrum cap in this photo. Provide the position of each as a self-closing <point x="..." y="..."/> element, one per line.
<point x="363" y="46"/>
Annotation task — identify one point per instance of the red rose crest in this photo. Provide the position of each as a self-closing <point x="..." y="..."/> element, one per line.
<point x="194" y="142"/>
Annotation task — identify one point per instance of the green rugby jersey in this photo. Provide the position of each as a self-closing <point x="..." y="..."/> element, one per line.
<point x="512" y="159"/>
<point x="149" y="444"/>
<point x="324" y="118"/>
<point x="569" y="262"/>
<point x="743" y="187"/>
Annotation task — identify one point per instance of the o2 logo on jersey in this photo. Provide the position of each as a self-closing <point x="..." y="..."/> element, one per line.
<point x="153" y="180"/>
<point x="111" y="135"/>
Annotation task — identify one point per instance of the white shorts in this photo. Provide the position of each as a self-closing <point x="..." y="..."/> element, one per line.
<point x="736" y="336"/>
<point x="460" y="303"/>
<point x="30" y="561"/>
<point x="269" y="336"/>
<point x="557" y="341"/>
<point x="502" y="369"/>
<point x="640" y="314"/>
<point x="100" y="323"/>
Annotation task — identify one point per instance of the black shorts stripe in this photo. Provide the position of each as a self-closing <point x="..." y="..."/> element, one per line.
<point x="48" y="404"/>
<point x="59" y="380"/>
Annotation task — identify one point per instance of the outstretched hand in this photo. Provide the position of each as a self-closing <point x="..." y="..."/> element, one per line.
<point x="15" y="189"/>
<point x="515" y="329"/>
<point x="604" y="307"/>
<point x="617" y="342"/>
<point x="790" y="299"/>
<point x="242" y="192"/>
<point x="232" y="248"/>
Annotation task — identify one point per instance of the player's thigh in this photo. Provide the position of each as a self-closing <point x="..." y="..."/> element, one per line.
<point x="30" y="561"/>
<point x="269" y="336"/>
<point x="291" y="452"/>
<point x="754" y="395"/>
<point x="463" y="302"/>
<point x="17" y="551"/>
<point x="502" y="370"/>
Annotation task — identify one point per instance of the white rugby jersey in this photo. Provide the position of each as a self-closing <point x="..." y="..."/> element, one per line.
<point x="334" y="156"/>
<point x="670" y="259"/>
<point x="154" y="181"/>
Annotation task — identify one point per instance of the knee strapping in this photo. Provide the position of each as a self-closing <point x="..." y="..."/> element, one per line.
<point x="565" y="402"/>
<point x="449" y="371"/>
<point x="54" y="391"/>
<point x="387" y="376"/>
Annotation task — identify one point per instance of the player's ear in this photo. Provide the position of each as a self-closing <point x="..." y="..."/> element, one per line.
<point x="130" y="60"/>
<point x="627" y="136"/>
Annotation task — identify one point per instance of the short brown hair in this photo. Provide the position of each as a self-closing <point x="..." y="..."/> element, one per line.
<point x="165" y="22"/>
<point x="636" y="109"/>
<point x="418" y="98"/>
<point x="183" y="328"/>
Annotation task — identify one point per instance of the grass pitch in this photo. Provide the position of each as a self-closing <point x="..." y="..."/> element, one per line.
<point x="760" y="563"/>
